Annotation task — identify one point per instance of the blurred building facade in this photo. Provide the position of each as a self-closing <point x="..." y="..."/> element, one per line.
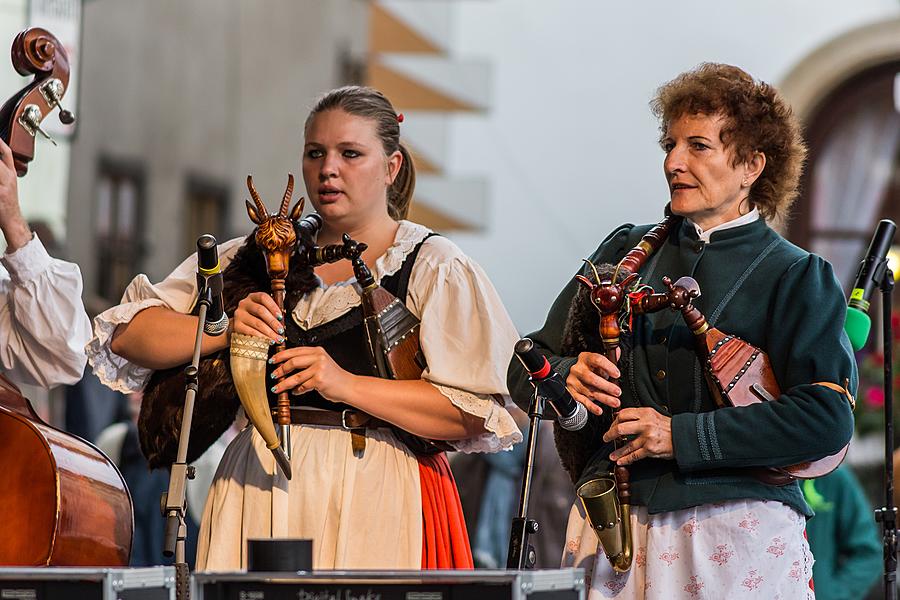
<point x="181" y="101"/>
<point x="530" y="131"/>
<point x="411" y="58"/>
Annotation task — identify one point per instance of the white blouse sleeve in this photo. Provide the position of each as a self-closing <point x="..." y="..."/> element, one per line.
<point x="467" y="338"/>
<point x="177" y="291"/>
<point x="43" y="325"/>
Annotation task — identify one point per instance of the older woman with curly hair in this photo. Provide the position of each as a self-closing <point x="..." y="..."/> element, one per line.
<point x="703" y="524"/>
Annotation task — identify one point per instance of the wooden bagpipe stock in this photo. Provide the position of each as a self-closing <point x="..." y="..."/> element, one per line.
<point x="65" y="502"/>
<point x="277" y="238"/>
<point x="607" y="500"/>
<point x="392" y="332"/>
<point x="738" y="373"/>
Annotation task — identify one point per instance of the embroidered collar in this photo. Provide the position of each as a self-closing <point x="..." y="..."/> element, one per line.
<point x="326" y="303"/>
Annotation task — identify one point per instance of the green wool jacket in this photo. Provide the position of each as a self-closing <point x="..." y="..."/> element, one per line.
<point x="755" y="285"/>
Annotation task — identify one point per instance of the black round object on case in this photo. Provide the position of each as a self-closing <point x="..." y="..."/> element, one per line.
<point x="279" y="555"/>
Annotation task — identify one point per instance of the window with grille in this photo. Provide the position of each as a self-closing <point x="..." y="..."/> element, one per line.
<point x="206" y="206"/>
<point x="118" y="234"/>
<point x="853" y="175"/>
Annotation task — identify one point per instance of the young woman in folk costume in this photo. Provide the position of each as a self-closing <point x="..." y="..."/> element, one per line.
<point x="384" y="507"/>
<point x="707" y="521"/>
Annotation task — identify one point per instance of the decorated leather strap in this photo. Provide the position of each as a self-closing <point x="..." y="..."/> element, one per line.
<point x="840" y="390"/>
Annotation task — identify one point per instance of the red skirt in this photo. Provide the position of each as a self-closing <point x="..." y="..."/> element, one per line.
<point x="445" y="541"/>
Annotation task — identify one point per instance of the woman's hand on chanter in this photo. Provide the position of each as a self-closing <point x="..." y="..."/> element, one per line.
<point x="307" y="368"/>
<point x="589" y="382"/>
<point x="649" y="433"/>
<point x="258" y="315"/>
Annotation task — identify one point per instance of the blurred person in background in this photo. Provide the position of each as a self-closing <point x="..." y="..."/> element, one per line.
<point x="842" y="536"/>
<point x="119" y="441"/>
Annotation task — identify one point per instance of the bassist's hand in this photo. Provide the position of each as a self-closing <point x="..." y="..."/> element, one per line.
<point x="15" y="228"/>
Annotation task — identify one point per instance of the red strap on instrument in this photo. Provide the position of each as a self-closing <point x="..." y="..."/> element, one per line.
<point x="635" y="297"/>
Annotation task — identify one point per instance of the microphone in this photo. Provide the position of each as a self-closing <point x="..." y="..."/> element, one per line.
<point x="572" y="416"/>
<point x="869" y="276"/>
<point x="209" y="276"/>
<point x="308" y="225"/>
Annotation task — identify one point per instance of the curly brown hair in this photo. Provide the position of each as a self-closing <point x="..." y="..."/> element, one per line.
<point x="757" y="119"/>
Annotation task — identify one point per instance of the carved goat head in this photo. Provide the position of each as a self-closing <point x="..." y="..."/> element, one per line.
<point x="275" y="234"/>
<point x="606" y="295"/>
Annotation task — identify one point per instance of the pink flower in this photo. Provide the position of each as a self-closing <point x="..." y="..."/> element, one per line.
<point x="752" y="581"/>
<point x="669" y="557"/>
<point x="641" y="558"/>
<point x="777" y="547"/>
<point x="694" y="587"/>
<point x="749" y="522"/>
<point x="721" y="555"/>
<point x="690" y="527"/>
<point x="874" y="397"/>
<point x="615" y="585"/>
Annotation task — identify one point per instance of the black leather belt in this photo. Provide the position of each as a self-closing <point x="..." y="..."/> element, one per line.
<point x="346" y="419"/>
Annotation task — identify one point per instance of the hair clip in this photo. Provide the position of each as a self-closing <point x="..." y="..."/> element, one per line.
<point x="399" y="117"/>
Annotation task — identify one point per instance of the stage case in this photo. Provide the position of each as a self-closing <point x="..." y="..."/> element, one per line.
<point x="63" y="583"/>
<point x="479" y="584"/>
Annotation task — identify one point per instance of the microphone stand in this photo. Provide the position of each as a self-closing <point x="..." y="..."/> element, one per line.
<point x="174" y="509"/>
<point x="521" y="554"/>
<point x="887" y="515"/>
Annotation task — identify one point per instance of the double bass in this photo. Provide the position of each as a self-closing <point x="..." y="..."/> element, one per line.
<point x="64" y="502"/>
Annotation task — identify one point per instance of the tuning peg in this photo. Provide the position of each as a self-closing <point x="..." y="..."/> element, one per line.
<point x="53" y="91"/>
<point x="31" y="121"/>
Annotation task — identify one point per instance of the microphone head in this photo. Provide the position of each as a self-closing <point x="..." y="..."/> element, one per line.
<point x="206" y="242"/>
<point x="216" y="327"/>
<point x="310" y="225"/>
<point x="857" y="325"/>
<point x="523" y="346"/>
<point x="207" y="255"/>
<point x="576" y="420"/>
<point x="533" y="361"/>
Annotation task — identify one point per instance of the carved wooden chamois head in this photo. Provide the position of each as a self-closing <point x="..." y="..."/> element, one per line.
<point x="275" y="234"/>
<point x="607" y="295"/>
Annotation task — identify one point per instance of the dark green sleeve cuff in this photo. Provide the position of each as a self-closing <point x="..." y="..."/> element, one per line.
<point x="694" y="441"/>
<point x="808" y="423"/>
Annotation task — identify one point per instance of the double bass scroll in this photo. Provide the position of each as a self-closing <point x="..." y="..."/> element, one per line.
<point x="36" y="52"/>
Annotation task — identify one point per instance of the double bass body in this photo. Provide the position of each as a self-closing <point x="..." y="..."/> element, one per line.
<point x="64" y="503"/>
